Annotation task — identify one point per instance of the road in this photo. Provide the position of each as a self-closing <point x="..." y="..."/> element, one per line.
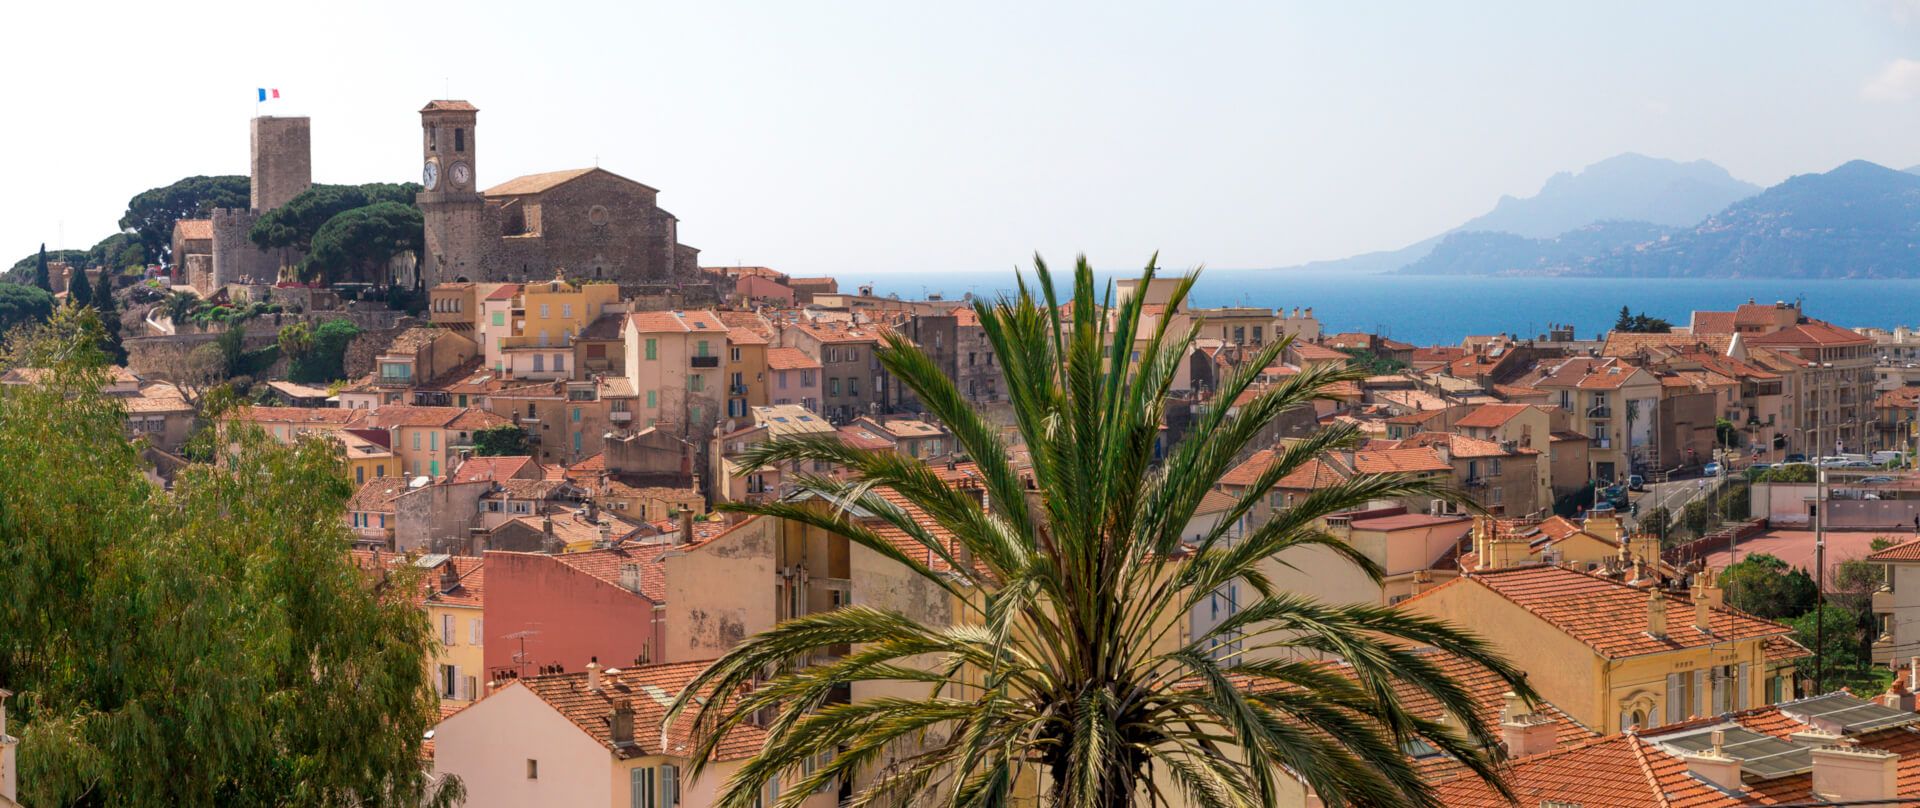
<point x="1673" y="495"/>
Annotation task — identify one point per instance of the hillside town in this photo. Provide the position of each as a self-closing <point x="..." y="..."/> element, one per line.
<point x="557" y="430"/>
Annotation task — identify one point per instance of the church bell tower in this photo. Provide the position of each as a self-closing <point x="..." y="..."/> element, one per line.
<point x="449" y="199"/>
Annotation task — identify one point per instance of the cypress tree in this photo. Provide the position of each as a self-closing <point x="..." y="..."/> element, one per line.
<point x="40" y="277"/>
<point x="109" y="316"/>
<point x="79" y="291"/>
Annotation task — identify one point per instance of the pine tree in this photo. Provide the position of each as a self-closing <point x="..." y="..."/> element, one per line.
<point x="40" y="277"/>
<point x="109" y="316"/>
<point x="79" y="291"/>
<point x="1625" y="323"/>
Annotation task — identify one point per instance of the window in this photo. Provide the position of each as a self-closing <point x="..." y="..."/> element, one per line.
<point x="559" y="362"/>
<point x="833" y="387"/>
<point x="700" y="348"/>
<point x="642" y="791"/>
<point x="733" y="355"/>
<point x="416" y="441"/>
<point x="359" y="475"/>
<point x="545" y="311"/>
<point x="446" y="629"/>
<point x="576" y="441"/>
<point x="539" y="362"/>
<point x="653" y="349"/>
<point x="459" y="139"/>
<point x="853" y="385"/>
<point x="696" y="383"/>
<point x="533" y="769"/>
<point x="433" y="468"/>
<point x="576" y="415"/>
<point x="566" y="310"/>
<point x="697" y="412"/>
<point x="652" y="402"/>
<point x="433" y="441"/>
<point x="473" y="631"/>
<point x="395" y="371"/>
<point x="499" y="319"/>
<point x="669" y="786"/>
<point x="782" y="379"/>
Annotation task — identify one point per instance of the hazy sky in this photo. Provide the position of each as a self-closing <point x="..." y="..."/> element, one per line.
<point x="875" y="137"/>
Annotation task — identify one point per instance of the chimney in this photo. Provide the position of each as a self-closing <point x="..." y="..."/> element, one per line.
<point x="1702" y="610"/>
<point x="593" y="674"/>
<point x="1898" y="696"/>
<point x="621" y="723"/>
<point x="546" y="525"/>
<point x="630" y="577"/>
<point x="1528" y="735"/>
<point x="449" y="576"/>
<point x="1656" y="615"/>
<point x="1913" y="674"/>
<point x="1844" y="774"/>
<point x="606" y="533"/>
<point x="686" y="528"/>
<point x="1714" y="766"/>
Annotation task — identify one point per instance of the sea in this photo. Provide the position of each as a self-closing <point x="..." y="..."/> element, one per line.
<point x="1440" y="310"/>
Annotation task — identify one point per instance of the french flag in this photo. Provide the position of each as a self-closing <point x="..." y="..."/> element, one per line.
<point x="269" y="93"/>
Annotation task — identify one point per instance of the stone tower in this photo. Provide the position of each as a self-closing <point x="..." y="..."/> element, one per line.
<point x="449" y="199"/>
<point x="282" y="160"/>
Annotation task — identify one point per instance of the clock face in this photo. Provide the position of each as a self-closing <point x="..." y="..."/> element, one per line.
<point x="462" y="175"/>
<point x="431" y="175"/>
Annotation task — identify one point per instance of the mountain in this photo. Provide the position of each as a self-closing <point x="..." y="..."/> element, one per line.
<point x="1858" y="220"/>
<point x="1487" y="253"/>
<point x="1628" y="187"/>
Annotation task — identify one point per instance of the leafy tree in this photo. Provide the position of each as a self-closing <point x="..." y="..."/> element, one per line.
<point x="295" y="223"/>
<point x="357" y="244"/>
<point x="325" y="351"/>
<point x="208" y="645"/>
<point x="505" y="440"/>
<point x="22" y="305"/>
<point x="1374" y="363"/>
<point x="27" y="270"/>
<point x="1837" y="638"/>
<point x="296" y="340"/>
<point x="1725" y="433"/>
<point x="1658" y="521"/>
<point x="151" y="213"/>
<point x="1793" y="473"/>
<point x="118" y="252"/>
<point x="1765" y="586"/>
<point x="233" y="348"/>
<point x="1056" y="669"/>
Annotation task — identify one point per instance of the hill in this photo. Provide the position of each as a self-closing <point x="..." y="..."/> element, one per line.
<point x="1483" y="253"/>
<point x="1627" y="187"/>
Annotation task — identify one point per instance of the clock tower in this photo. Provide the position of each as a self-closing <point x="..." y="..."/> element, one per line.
<point x="449" y="199"/>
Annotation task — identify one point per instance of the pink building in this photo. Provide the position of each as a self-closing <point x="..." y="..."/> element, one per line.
<point x="545" y="610"/>
<point x="793" y="377"/>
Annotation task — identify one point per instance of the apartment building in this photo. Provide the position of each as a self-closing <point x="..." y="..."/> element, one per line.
<point x="677" y="363"/>
<point x="852" y="383"/>
<point x="1613" y="403"/>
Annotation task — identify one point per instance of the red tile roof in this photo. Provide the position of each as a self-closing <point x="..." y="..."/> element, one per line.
<point x="492" y="468"/>
<point x="1391" y="461"/>
<point x="790" y="359"/>
<point x="605" y="565"/>
<point x="1314" y="474"/>
<point x="649" y="689"/>
<point x="193" y="229"/>
<point x="1813" y="333"/>
<point x="676" y="322"/>
<point x="1491" y="416"/>
<point x="1608" y="616"/>
<point x="1906" y="551"/>
<point x="297" y="415"/>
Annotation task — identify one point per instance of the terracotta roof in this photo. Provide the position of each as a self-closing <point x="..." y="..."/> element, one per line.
<point x="1309" y="352"/>
<point x="1906" y="551"/>
<point x="193" y="229"/>
<point x="1463" y="446"/>
<point x="297" y="415"/>
<point x="860" y="437"/>
<point x="1899" y="398"/>
<point x="790" y="359"/>
<point x="649" y="689"/>
<point x="469" y="587"/>
<point x="835" y="333"/>
<point x="1608" y="616"/>
<point x="1491" y="416"/>
<point x="378" y="494"/>
<point x="1814" y="333"/>
<point x="1216" y="501"/>
<point x="1409" y="521"/>
<point x="449" y="106"/>
<point x="537" y="183"/>
<point x="1622" y="343"/>
<point x="676" y="322"/>
<point x="1713" y="322"/>
<point x="1387" y="461"/>
<point x="1314" y="474"/>
<point x="605" y="564"/>
<point x="506" y="291"/>
<point x="476" y="419"/>
<point x="491" y="468"/>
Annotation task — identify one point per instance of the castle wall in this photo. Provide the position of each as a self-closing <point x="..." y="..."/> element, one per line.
<point x="235" y="258"/>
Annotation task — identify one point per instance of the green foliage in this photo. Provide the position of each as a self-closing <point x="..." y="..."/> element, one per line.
<point x="151" y="214"/>
<point x="117" y="252"/>
<point x="209" y="645"/>
<point x="295" y="223"/>
<point x="1640" y="323"/>
<point x="1725" y="433"/>
<point x="109" y="316"/>
<point x="1765" y="586"/>
<point x="233" y="347"/>
<point x="1056" y="665"/>
<point x="356" y="244"/>
<point x="27" y="270"/>
<point x="505" y="440"/>
<point x="1375" y="364"/>
<point x="42" y="277"/>
<point x="1658" y="521"/>
<point x="79" y="289"/>
<point x="1794" y="473"/>
<point x="1844" y="650"/>
<point x="23" y="305"/>
<point x="322" y="352"/>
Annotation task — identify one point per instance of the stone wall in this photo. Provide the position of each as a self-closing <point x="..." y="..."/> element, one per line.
<point x="235" y="258"/>
<point x="282" y="160"/>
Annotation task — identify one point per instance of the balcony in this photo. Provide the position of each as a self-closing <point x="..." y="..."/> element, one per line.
<point x="1602" y="411"/>
<point x="1602" y="443"/>
<point x="704" y="361"/>
<point x="1883" y="601"/>
<point x="736" y="389"/>
<point x="620" y="416"/>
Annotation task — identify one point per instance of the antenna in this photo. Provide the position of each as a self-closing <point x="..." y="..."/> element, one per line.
<point x="520" y="657"/>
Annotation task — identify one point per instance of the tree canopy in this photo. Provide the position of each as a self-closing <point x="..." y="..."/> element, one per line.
<point x="1764" y="586"/>
<point x="151" y="213"/>
<point x="209" y="645"/>
<point x="23" y="305"/>
<point x="505" y="440"/>
<point x="295" y="223"/>
<point x="1058" y="663"/>
<point x="317" y="355"/>
<point x="356" y="244"/>
<point x="1640" y="323"/>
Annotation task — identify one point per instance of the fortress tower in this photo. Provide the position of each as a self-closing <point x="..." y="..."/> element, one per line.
<point x="282" y="160"/>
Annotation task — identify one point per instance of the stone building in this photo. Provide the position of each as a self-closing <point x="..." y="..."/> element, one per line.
<point x="210" y="253"/>
<point x="590" y="222"/>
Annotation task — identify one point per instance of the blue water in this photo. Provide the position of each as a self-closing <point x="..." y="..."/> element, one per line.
<point x="1431" y="310"/>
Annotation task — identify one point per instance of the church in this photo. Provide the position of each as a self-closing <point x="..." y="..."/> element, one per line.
<point x="589" y="223"/>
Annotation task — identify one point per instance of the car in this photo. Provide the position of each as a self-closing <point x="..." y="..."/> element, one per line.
<point x="1875" y="480"/>
<point x="1856" y="464"/>
<point x="1710" y="470"/>
<point x="1885" y="456"/>
<point x="1796" y="458"/>
<point x="1636" y="483"/>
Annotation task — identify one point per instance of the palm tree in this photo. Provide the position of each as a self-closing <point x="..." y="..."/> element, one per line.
<point x="1067" y="677"/>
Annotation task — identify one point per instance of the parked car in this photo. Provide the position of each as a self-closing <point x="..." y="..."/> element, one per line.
<point x="1796" y="458"/>
<point x="1636" y="483"/>
<point x="1875" y="480"/>
<point x="1885" y="456"/>
<point x="1710" y="470"/>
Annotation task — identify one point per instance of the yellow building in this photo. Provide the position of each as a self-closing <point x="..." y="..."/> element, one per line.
<point x="452" y="590"/>
<point x="1613" y="655"/>
<point x="540" y="324"/>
